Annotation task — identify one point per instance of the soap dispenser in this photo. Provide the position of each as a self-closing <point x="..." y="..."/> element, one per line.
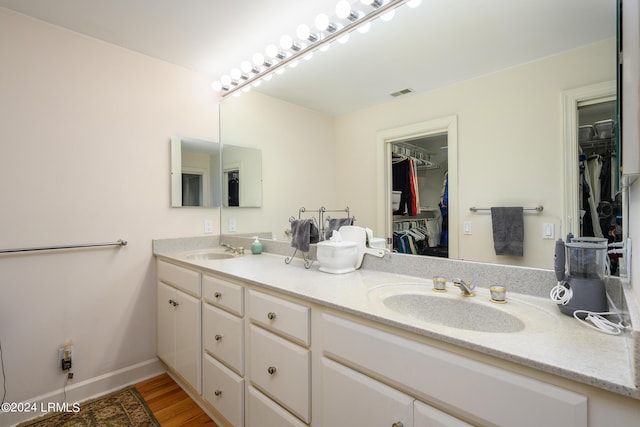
<point x="256" y="246"/>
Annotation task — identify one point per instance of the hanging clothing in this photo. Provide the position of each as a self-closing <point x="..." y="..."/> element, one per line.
<point x="444" y="210"/>
<point x="405" y="179"/>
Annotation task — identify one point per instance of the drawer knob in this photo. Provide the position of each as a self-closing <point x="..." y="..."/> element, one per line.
<point x="271" y="370"/>
<point x="397" y="424"/>
<point x="218" y="392"/>
<point x="218" y="337"/>
<point x="271" y="315"/>
<point x="218" y="295"/>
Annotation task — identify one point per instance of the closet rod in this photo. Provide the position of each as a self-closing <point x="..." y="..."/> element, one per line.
<point x="120" y="242"/>
<point x="535" y="208"/>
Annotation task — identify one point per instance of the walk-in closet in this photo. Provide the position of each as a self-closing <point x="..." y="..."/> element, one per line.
<point x="420" y="196"/>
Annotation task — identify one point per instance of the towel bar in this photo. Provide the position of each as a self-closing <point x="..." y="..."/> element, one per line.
<point x="534" y="208"/>
<point x="120" y="242"/>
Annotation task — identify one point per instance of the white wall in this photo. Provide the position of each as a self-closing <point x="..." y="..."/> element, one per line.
<point x="298" y="159"/>
<point x="510" y="131"/>
<point x="84" y="157"/>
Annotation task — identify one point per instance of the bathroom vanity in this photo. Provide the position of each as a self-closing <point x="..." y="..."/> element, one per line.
<point x="264" y="343"/>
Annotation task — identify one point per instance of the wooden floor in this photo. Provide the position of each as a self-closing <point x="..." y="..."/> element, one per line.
<point x="171" y="405"/>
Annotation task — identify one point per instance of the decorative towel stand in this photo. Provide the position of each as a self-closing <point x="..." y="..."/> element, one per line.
<point x="320" y="223"/>
<point x="533" y="208"/>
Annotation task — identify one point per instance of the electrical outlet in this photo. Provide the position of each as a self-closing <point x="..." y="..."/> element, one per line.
<point x="64" y="356"/>
<point x="208" y="226"/>
<point x="548" y="231"/>
<point x="232" y="225"/>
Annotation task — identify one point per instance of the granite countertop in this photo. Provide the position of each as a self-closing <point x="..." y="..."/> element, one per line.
<point x="564" y="348"/>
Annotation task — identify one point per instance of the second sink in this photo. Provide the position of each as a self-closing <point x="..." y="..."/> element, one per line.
<point x="451" y="310"/>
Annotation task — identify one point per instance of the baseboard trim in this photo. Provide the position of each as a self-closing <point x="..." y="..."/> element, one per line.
<point x="89" y="389"/>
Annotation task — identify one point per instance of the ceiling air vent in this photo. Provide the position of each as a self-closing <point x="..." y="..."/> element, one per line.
<point x="401" y="92"/>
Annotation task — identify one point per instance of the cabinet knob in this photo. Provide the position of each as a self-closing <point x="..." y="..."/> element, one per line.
<point x="271" y="370"/>
<point x="271" y="315"/>
<point x="397" y="424"/>
<point x="173" y="303"/>
<point x="218" y="392"/>
<point x="218" y="337"/>
<point x="218" y="295"/>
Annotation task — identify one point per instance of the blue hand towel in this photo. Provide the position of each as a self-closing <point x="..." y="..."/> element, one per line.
<point x="508" y="230"/>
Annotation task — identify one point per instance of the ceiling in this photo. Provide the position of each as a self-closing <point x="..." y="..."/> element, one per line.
<point x="438" y="43"/>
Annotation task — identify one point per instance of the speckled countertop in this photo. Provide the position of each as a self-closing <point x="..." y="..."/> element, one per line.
<point x="562" y="347"/>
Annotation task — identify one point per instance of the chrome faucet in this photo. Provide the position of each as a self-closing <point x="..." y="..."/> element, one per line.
<point x="231" y="249"/>
<point x="466" y="289"/>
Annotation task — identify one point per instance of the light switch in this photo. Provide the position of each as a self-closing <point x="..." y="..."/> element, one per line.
<point x="231" y="225"/>
<point x="208" y="226"/>
<point x="466" y="227"/>
<point x="548" y="231"/>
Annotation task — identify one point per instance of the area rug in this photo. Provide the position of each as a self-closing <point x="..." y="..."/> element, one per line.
<point x="122" y="408"/>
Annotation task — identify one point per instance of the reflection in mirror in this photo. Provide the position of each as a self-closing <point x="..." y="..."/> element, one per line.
<point x="195" y="173"/>
<point x="498" y="70"/>
<point x="241" y="176"/>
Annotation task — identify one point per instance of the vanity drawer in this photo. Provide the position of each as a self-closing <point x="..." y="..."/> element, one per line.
<point x="281" y="370"/>
<point x="223" y="293"/>
<point x="474" y="389"/>
<point x="179" y="277"/>
<point x="284" y="317"/>
<point x="265" y="413"/>
<point x="223" y="337"/>
<point x="224" y="390"/>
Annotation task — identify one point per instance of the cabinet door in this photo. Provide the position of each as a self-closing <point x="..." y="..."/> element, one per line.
<point x="166" y="327"/>
<point x="428" y="416"/>
<point x="350" y="398"/>
<point x="188" y="344"/>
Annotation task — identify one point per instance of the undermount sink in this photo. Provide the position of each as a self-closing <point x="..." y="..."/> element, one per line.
<point x="451" y="309"/>
<point x="209" y="254"/>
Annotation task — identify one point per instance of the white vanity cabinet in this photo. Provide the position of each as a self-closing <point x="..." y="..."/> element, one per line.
<point x="377" y="404"/>
<point x="465" y="387"/>
<point x="178" y="322"/>
<point x="223" y="340"/>
<point x="279" y="357"/>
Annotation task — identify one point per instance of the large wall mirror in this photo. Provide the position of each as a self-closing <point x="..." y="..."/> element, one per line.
<point x="195" y="172"/>
<point x="501" y="67"/>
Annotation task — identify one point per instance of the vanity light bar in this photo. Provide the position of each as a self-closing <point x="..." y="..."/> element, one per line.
<point x="228" y="86"/>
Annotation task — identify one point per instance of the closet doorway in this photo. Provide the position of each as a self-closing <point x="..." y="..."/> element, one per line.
<point x="421" y="188"/>
<point x="594" y="206"/>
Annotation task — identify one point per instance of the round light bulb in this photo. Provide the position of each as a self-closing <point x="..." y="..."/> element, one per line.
<point x="236" y="74"/>
<point x="389" y="15"/>
<point x="286" y="41"/>
<point x="225" y="80"/>
<point x="258" y="59"/>
<point x="303" y="32"/>
<point x="366" y="2"/>
<point x="364" y="28"/>
<point x="414" y="3"/>
<point x="343" y="9"/>
<point x="217" y="86"/>
<point x="322" y="22"/>
<point x="272" y="51"/>
<point x="246" y="67"/>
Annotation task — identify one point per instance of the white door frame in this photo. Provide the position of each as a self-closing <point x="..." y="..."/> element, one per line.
<point x="600" y="92"/>
<point x="448" y="125"/>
